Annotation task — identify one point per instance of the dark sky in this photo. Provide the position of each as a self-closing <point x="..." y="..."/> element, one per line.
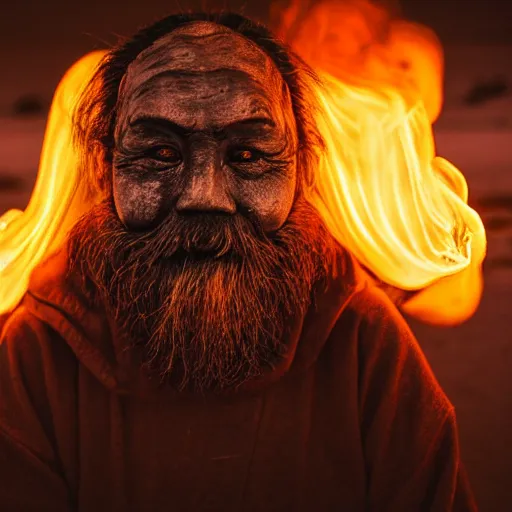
<point x="39" y="39"/>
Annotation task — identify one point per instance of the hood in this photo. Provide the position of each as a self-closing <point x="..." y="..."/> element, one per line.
<point x="56" y="298"/>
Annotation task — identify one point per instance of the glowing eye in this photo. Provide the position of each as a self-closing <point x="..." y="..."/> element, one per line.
<point x="168" y="155"/>
<point x="243" y="156"/>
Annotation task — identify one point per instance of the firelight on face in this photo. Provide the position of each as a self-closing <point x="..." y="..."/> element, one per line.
<point x="203" y="132"/>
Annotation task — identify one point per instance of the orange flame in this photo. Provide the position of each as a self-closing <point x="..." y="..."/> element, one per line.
<point x="56" y="202"/>
<point x="358" y="40"/>
<point x="382" y="191"/>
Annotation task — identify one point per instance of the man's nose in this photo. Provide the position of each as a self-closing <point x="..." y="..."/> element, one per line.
<point x="206" y="189"/>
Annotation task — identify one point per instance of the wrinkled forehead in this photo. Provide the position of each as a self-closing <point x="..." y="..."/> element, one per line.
<point x="203" y="47"/>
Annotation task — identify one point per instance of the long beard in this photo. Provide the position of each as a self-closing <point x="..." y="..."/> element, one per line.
<point x="208" y="298"/>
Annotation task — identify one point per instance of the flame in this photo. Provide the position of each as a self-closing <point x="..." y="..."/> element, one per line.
<point x="384" y="194"/>
<point x="380" y="188"/>
<point x="358" y="40"/>
<point x="56" y="202"/>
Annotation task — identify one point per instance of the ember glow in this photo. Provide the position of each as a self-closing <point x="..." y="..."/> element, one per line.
<point x="380" y="188"/>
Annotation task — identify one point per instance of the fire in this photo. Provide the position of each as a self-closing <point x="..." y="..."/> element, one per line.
<point x="380" y="188"/>
<point x="358" y="40"/>
<point x="384" y="194"/>
<point x="56" y="202"/>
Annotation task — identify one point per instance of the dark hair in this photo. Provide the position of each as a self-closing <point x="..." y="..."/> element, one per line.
<point x="95" y="115"/>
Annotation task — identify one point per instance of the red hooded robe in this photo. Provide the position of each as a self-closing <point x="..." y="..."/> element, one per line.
<point x="352" y="420"/>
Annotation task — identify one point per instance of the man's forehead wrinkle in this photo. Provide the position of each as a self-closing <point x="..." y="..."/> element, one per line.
<point x="178" y="97"/>
<point x="178" y="112"/>
<point x="215" y="76"/>
<point x="225" y="49"/>
<point x="186" y="81"/>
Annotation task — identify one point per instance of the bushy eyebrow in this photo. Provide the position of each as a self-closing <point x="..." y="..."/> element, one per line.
<point x="159" y="124"/>
<point x="252" y="126"/>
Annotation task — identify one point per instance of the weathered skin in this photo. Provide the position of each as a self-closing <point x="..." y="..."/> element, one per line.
<point x="192" y="108"/>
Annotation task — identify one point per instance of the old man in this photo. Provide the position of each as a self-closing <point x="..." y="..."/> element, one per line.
<point x="201" y="342"/>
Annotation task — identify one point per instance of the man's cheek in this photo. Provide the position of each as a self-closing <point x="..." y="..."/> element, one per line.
<point x="270" y="201"/>
<point x="139" y="204"/>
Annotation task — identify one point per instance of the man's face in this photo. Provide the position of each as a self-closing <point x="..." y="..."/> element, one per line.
<point x="207" y="254"/>
<point x="205" y="126"/>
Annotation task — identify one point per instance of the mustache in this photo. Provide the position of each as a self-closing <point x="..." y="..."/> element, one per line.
<point x="198" y="235"/>
<point x="114" y="252"/>
<point x="101" y="248"/>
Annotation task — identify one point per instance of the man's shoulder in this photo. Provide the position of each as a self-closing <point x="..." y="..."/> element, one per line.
<point x="27" y="343"/>
<point x="370" y="312"/>
<point x="372" y="305"/>
<point x="387" y="351"/>
<point x="37" y="385"/>
<point x="21" y="325"/>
